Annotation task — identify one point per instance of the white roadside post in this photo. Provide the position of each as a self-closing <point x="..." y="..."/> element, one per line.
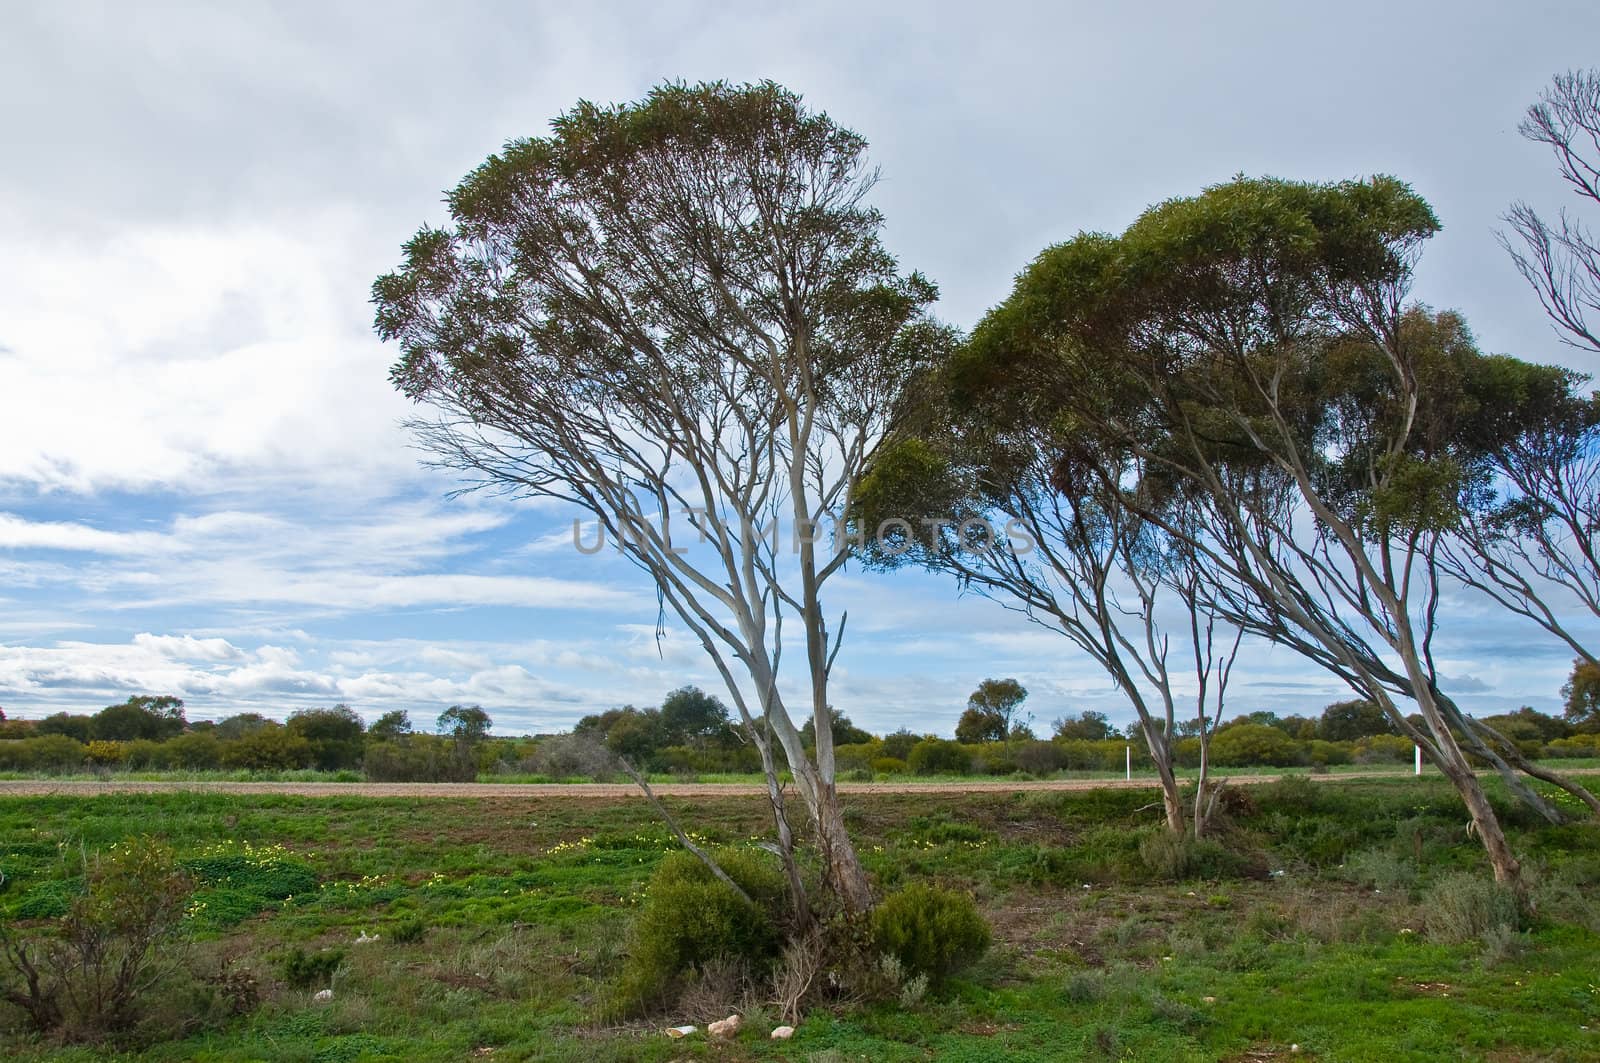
<point x="1419" y="760"/>
<point x="1128" y="756"/>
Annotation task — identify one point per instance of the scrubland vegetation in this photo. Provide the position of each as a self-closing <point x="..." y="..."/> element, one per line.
<point x="692" y="737"/>
<point x="1356" y="921"/>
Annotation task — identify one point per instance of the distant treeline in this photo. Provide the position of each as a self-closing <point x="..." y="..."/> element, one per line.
<point x="691" y="734"/>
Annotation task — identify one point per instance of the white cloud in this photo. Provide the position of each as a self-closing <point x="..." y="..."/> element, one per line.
<point x="189" y="648"/>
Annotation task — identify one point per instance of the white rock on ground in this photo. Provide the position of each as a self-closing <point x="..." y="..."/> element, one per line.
<point x="322" y="996"/>
<point x="783" y="1033"/>
<point x="728" y="1027"/>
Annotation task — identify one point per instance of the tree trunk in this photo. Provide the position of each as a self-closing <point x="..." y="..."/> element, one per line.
<point x="843" y="866"/>
<point x="1200" y="784"/>
<point x="791" y="870"/>
<point x="1507" y="871"/>
<point x="1171" y="798"/>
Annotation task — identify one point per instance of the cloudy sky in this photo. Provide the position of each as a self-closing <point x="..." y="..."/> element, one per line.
<point x="203" y="488"/>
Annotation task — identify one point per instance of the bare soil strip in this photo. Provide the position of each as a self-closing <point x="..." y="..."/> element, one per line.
<point x="611" y="791"/>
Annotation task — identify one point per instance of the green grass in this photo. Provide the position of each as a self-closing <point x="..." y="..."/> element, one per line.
<point x="523" y="905"/>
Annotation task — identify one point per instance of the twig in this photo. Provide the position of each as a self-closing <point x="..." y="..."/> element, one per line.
<point x="683" y="839"/>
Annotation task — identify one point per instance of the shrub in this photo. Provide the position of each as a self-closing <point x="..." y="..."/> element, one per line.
<point x="567" y="756"/>
<point x="1247" y="744"/>
<point x="144" y="754"/>
<point x="690" y="919"/>
<point x="890" y="766"/>
<point x="1465" y="907"/>
<point x="992" y="758"/>
<point x="272" y="748"/>
<point x="47" y="752"/>
<point x="857" y="755"/>
<point x="1322" y="754"/>
<point x="420" y="758"/>
<point x="408" y="931"/>
<point x="1040" y="758"/>
<point x="940" y="756"/>
<point x="1579" y="745"/>
<point x="1174" y="857"/>
<point x="1381" y="869"/>
<point x="195" y="751"/>
<point x="305" y="970"/>
<point x="103" y="754"/>
<point x="88" y="979"/>
<point x="930" y="930"/>
<point x="1384" y="749"/>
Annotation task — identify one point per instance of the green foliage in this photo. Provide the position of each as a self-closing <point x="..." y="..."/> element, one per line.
<point x="1465" y="907"/>
<point x="46" y="753"/>
<point x="273" y="747"/>
<point x="88" y="975"/>
<point x="690" y="716"/>
<point x="938" y="756"/>
<point x="845" y="733"/>
<point x="407" y="931"/>
<point x="898" y="744"/>
<point x="310" y="970"/>
<point x="240" y="879"/>
<point x="1244" y="744"/>
<point x="1088" y="727"/>
<point x="690" y="919"/>
<point x="931" y="931"/>
<point x="141" y="716"/>
<point x="420" y="758"/>
<point x="464" y="723"/>
<point x="392" y="724"/>
<point x="1582" y="694"/>
<point x="334" y="736"/>
<point x="1346" y="721"/>
<point x="1173" y="857"/>
<point x="980" y="725"/>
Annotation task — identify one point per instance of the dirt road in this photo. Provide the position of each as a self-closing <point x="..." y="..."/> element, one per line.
<point x="580" y="791"/>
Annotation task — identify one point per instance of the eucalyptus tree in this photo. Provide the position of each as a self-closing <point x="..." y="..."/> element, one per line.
<point x="1251" y="350"/>
<point x="678" y="316"/>
<point x="980" y="484"/>
<point x="1528" y="533"/>
<point x="1528" y="539"/>
<point x="1560" y="259"/>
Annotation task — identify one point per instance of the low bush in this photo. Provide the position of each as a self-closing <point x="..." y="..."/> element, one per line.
<point x="940" y="756"/>
<point x="1245" y="744"/>
<point x="932" y="931"/>
<point x="1040" y="758"/>
<point x="889" y="766"/>
<point x="87" y="976"/>
<point x="1173" y="858"/>
<point x="310" y="970"/>
<point x="1578" y="745"/>
<point x="1381" y="870"/>
<point x="421" y="758"/>
<point x="1384" y="749"/>
<point x="408" y="931"/>
<point x="1465" y="907"/>
<point x="567" y="757"/>
<point x="690" y="919"/>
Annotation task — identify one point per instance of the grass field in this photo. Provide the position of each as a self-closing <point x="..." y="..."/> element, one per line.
<point x="501" y="922"/>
